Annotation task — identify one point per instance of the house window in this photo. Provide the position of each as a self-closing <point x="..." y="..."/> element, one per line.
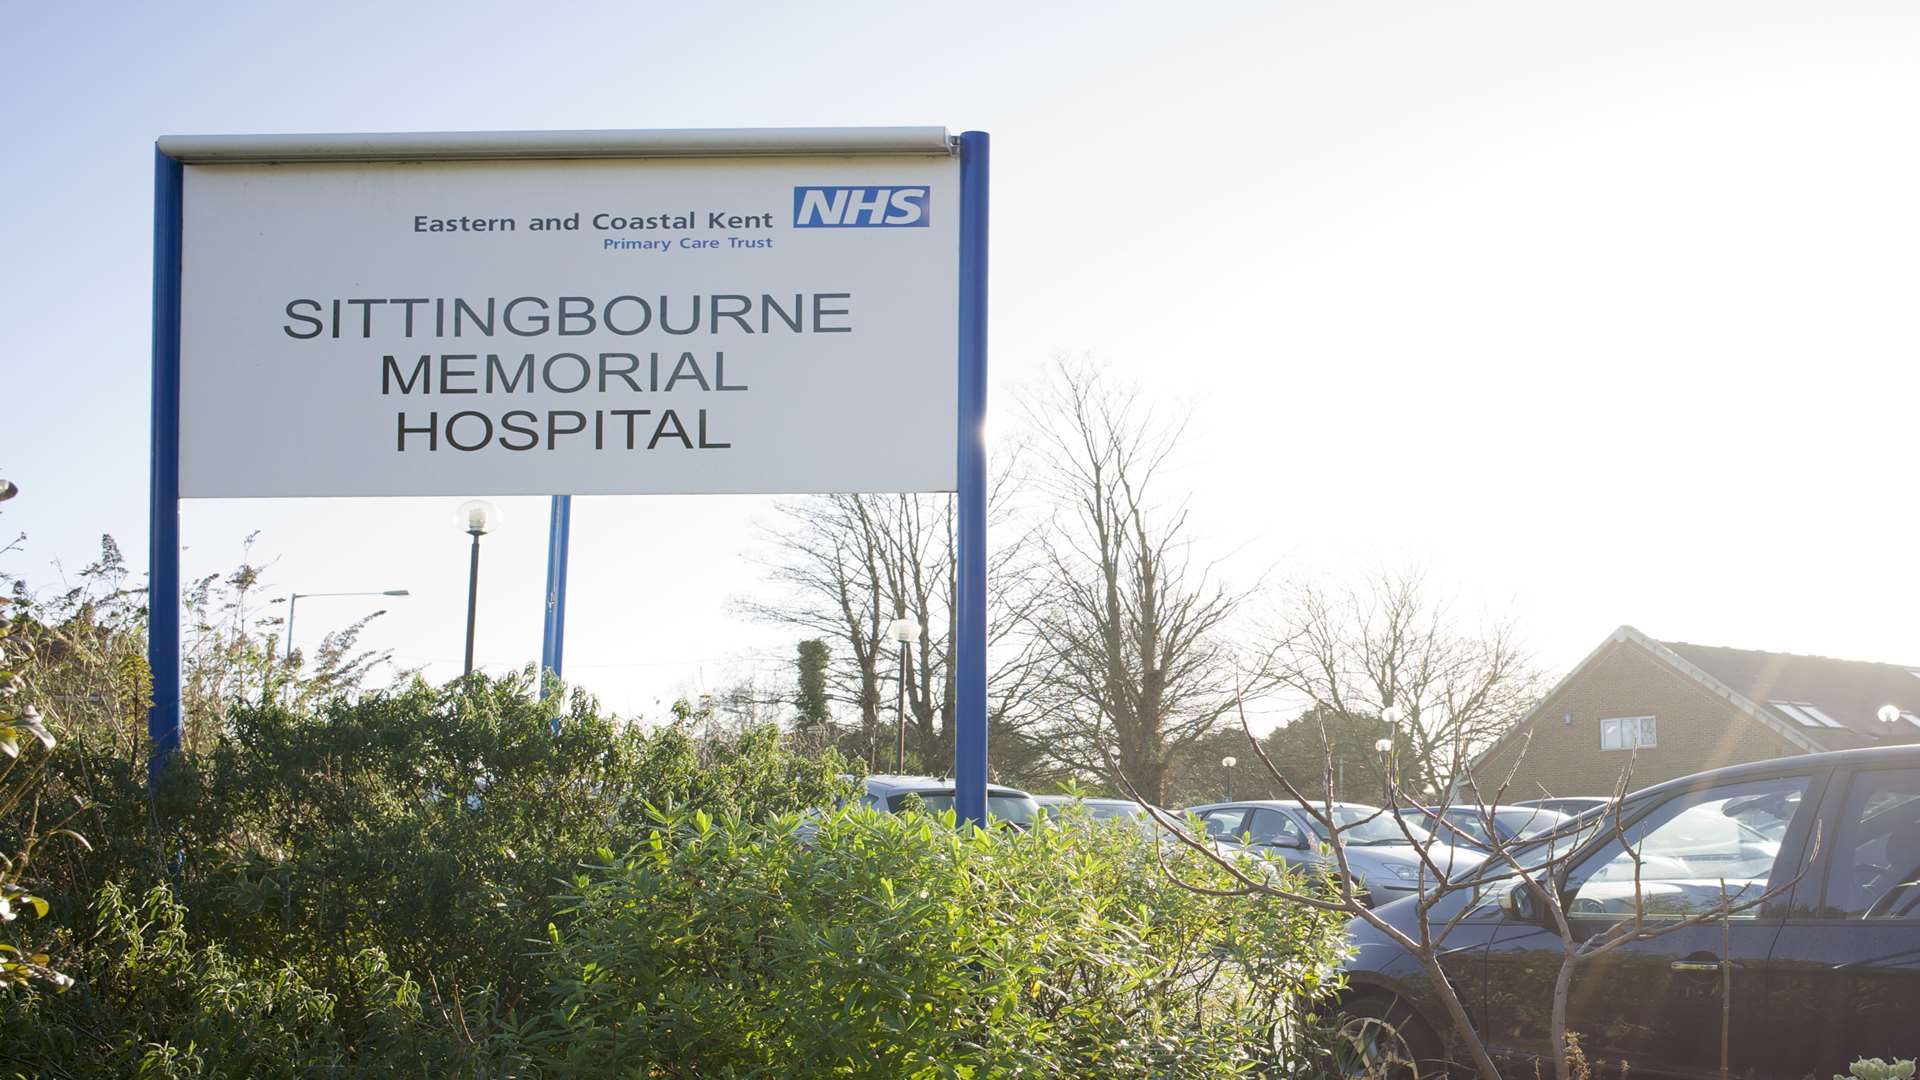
<point x="1626" y="733"/>
<point x="1805" y="713"/>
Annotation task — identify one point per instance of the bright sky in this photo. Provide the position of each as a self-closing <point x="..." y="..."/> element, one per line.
<point x="1602" y="313"/>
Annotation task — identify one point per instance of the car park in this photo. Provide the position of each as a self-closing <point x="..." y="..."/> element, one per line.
<point x="1821" y="965"/>
<point x="1380" y="850"/>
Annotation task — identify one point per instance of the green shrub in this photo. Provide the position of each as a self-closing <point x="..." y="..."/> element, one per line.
<point x="432" y="824"/>
<point x="897" y="946"/>
<point x="149" y="1003"/>
<point x="1876" y="1069"/>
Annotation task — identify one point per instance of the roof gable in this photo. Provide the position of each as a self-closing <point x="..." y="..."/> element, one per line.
<point x="1849" y="692"/>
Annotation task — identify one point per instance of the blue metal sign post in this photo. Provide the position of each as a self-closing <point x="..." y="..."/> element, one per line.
<point x="553" y="637"/>
<point x="163" y="531"/>
<point x="970" y="579"/>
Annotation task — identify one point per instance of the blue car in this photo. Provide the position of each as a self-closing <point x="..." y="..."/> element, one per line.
<point x="1823" y="970"/>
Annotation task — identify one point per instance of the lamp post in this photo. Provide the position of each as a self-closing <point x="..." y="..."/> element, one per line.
<point x="1384" y="747"/>
<point x="903" y="631"/>
<point x="1391" y="716"/>
<point x="295" y="598"/>
<point x="476" y="516"/>
<point x="1889" y="715"/>
<point x="1228" y="763"/>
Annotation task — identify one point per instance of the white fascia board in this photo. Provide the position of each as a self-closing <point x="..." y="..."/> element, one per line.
<point x="494" y="145"/>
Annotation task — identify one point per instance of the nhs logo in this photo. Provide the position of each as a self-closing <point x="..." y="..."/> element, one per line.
<point x="860" y="207"/>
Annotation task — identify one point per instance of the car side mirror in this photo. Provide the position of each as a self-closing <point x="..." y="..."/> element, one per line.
<point x="1292" y="843"/>
<point x="1520" y="904"/>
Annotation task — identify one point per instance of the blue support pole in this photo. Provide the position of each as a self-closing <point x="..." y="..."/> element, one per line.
<point x="970" y="584"/>
<point x="553" y="638"/>
<point x="163" y="499"/>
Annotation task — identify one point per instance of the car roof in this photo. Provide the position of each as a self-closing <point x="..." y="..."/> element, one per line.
<point x="1062" y="800"/>
<point x="889" y="784"/>
<point x="1514" y="808"/>
<point x="1275" y="804"/>
<point x="1905" y="754"/>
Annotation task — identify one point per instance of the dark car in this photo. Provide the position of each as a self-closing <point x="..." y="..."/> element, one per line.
<point x="1823" y="973"/>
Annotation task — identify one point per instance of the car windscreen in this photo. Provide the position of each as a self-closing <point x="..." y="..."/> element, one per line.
<point x="1528" y="821"/>
<point x="1014" y="808"/>
<point x="1363" y="826"/>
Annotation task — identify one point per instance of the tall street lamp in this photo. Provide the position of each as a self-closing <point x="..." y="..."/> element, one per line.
<point x="295" y="598"/>
<point x="1384" y="747"/>
<point x="476" y="516"/>
<point x="1889" y="715"/>
<point x="902" y="631"/>
<point x="1228" y="763"/>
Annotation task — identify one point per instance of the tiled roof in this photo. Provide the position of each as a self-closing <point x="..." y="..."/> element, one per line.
<point x="1851" y="692"/>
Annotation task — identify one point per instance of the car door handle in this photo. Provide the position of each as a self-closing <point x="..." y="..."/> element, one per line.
<point x="1695" y="965"/>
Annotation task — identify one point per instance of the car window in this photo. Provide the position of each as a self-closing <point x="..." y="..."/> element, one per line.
<point x="1224" y="823"/>
<point x="1689" y="849"/>
<point x="1273" y="827"/>
<point x="1875" y="869"/>
<point x="1361" y="826"/>
<point x="1469" y="823"/>
<point x="1529" y="822"/>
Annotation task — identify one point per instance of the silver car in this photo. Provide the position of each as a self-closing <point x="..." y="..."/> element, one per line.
<point x="895" y="793"/>
<point x="1378" y="850"/>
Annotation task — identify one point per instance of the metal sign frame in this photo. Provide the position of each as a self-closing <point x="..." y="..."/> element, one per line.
<point x="173" y="153"/>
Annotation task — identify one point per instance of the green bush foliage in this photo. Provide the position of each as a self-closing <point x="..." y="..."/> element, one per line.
<point x="1877" y="1069"/>
<point x="148" y="1002"/>
<point x="429" y="823"/>
<point x="422" y="881"/>
<point x="898" y="946"/>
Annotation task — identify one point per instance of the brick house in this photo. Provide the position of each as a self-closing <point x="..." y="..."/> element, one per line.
<point x="1670" y="708"/>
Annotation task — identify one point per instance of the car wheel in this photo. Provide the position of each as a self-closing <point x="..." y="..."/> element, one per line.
<point x="1378" y="1037"/>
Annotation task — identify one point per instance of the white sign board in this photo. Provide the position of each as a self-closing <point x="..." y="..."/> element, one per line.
<point x="569" y="327"/>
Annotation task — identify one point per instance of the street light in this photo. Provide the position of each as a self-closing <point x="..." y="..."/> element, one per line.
<point x="902" y="630"/>
<point x="476" y="516"/>
<point x="1392" y="715"/>
<point x="1889" y="715"/>
<point x="8" y="489"/>
<point x="1384" y="747"/>
<point x="295" y="598"/>
<point x="1228" y="763"/>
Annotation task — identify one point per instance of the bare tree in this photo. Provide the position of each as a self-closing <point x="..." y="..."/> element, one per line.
<point x="852" y="564"/>
<point x="1392" y="652"/>
<point x="1135" y="632"/>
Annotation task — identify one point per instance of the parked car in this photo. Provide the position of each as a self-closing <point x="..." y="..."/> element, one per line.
<point x="1825" y="971"/>
<point x="1053" y="806"/>
<point x="893" y="794"/>
<point x="1377" y="847"/>
<point x="1570" y="805"/>
<point x="1467" y="826"/>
